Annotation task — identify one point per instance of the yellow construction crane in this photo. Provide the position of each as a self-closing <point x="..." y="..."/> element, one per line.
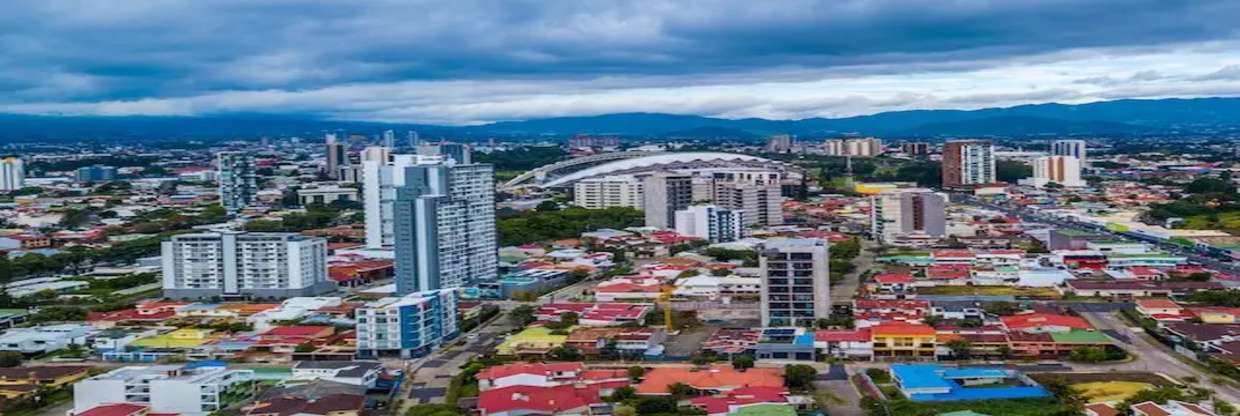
<point x="665" y="301"/>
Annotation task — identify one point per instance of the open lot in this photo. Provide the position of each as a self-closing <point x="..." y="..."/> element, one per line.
<point x="1110" y="391"/>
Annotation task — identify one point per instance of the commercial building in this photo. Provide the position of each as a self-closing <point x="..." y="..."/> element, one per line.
<point x="863" y="147"/>
<point x="795" y="282"/>
<point x="915" y="148"/>
<point x="1073" y="148"/>
<point x="187" y="389"/>
<point x="780" y="143"/>
<point x="96" y="173"/>
<point x="12" y="174"/>
<point x="336" y="157"/>
<point x="907" y="211"/>
<point x="237" y="179"/>
<point x="968" y="163"/>
<point x="444" y="227"/>
<point x="458" y="152"/>
<point x="757" y="194"/>
<point x="407" y="326"/>
<point x="663" y="194"/>
<point x="710" y="222"/>
<point x="1063" y="170"/>
<point x="245" y="265"/>
<point x="608" y="191"/>
<point x="325" y="194"/>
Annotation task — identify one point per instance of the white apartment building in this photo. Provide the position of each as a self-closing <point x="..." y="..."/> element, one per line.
<point x="968" y="163"/>
<point x="12" y="174"/>
<point x="185" y="389"/>
<point x="664" y="193"/>
<point x="1073" y="148"/>
<point x="904" y="212"/>
<point x="608" y="191"/>
<point x="796" y="286"/>
<point x="711" y="222"/>
<point x="238" y="180"/>
<point x="233" y="264"/>
<point x="382" y="173"/>
<point x="325" y="194"/>
<point x="408" y="326"/>
<point x="1063" y="170"/>
<point x="443" y="219"/>
<point x="863" y="147"/>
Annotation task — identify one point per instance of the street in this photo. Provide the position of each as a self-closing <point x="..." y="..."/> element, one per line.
<point x="1151" y="356"/>
<point x="842" y="293"/>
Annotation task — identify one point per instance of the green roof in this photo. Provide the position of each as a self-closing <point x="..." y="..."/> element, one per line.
<point x="272" y="370"/>
<point x="5" y="313"/>
<point x="1079" y="336"/>
<point x="765" y="409"/>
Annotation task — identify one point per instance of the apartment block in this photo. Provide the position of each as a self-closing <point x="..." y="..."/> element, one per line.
<point x="711" y="222"/>
<point x="407" y="326"/>
<point x="187" y="389"/>
<point x="608" y="192"/>
<point x="795" y="282"/>
<point x="244" y="265"/>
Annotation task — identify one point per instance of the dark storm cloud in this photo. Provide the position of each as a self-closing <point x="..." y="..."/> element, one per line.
<point x="78" y="52"/>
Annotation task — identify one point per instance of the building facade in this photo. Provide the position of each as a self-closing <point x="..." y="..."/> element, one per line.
<point x="444" y="227"/>
<point x="238" y="180"/>
<point x="663" y="194"/>
<point x="336" y="157"/>
<point x="907" y="211"/>
<point x="382" y="174"/>
<point x="1073" y="148"/>
<point x="458" y="152"/>
<point x="968" y="163"/>
<point x="1063" y="170"/>
<point x="244" y="265"/>
<point x="795" y="282"/>
<point x="915" y="148"/>
<point x="12" y="174"/>
<point x="179" y="389"/>
<point x="608" y="191"/>
<point x="863" y="147"/>
<point x="710" y="222"/>
<point x="408" y="326"/>
<point x="95" y="173"/>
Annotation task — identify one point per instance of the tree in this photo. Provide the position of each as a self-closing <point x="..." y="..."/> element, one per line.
<point x="434" y="410"/>
<point x="1208" y="185"/>
<point x="961" y="348"/>
<point x="1001" y="308"/>
<point x="304" y="347"/>
<point x="932" y="320"/>
<point x="799" y="377"/>
<point x="680" y="390"/>
<point x="624" y="410"/>
<point x="742" y="362"/>
<point x="622" y="393"/>
<point x="547" y="206"/>
<point x="569" y="319"/>
<point x="565" y="353"/>
<point x="636" y="373"/>
<point x="1004" y="351"/>
<point x="1088" y="354"/>
<point x="649" y="405"/>
<point x="10" y="359"/>
<point x="702" y="358"/>
<point x="521" y="316"/>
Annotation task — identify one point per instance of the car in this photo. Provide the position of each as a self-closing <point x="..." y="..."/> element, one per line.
<point x="472" y="337"/>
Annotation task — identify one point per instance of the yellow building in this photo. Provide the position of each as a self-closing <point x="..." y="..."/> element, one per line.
<point x="181" y="338"/>
<point x="875" y="188"/>
<point x="897" y="339"/>
<point x="532" y="341"/>
<point x="1217" y="315"/>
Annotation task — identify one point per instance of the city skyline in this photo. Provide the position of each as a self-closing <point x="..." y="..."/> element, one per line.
<point x="463" y="63"/>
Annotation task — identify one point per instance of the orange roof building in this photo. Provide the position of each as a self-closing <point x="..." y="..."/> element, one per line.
<point x="717" y="378"/>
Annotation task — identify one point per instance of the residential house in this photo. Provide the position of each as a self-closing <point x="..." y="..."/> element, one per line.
<point x="903" y="340"/>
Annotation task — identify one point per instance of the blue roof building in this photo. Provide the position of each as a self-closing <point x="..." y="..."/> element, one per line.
<point x="933" y="382"/>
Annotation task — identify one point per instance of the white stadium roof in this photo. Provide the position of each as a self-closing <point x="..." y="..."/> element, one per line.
<point x="650" y="161"/>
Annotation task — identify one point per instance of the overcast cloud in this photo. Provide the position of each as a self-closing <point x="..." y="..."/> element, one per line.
<point x="465" y="62"/>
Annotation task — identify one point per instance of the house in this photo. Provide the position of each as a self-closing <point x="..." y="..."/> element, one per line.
<point x="848" y="343"/>
<point x="42" y="339"/>
<point x="1205" y="335"/>
<point x="714" y="379"/>
<point x="1160" y="309"/>
<point x="892" y="282"/>
<point x="1100" y="409"/>
<point x="194" y="389"/>
<point x="613" y="292"/>
<point x="553" y="400"/>
<point x="119" y="409"/>
<point x="628" y="342"/>
<point x="895" y="339"/>
<point x="1216" y="314"/>
<point x="742" y="397"/>
<point x="330" y="405"/>
<point x="1172" y="408"/>
<point x="529" y="374"/>
<point x="1132" y="289"/>
<point x="1044" y="322"/>
<point x="536" y="340"/>
<point x="786" y="344"/>
<point x="932" y="382"/>
<point x="43" y="376"/>
<point x="358" y="373"/>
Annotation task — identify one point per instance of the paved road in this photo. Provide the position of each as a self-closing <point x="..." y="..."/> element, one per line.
<point x="429" y="376"/>
<point x="842" y="293"/>
<point x="1151" y="356"/>
<point x="849" y="399"/>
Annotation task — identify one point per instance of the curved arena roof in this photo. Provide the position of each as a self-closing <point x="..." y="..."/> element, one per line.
<point x="651" y="161"/>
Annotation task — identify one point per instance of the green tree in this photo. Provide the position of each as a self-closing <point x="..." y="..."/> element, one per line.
<point x="1001" y="308"/>
<point x="622" y="394"/>
<point x="1088" y="354"/>
<point x="961" y="348"/>
<point x="434" y="410"/>
<point x="10" y="359"/>
<point x="799" y="377"/>
<point x="547" y="206"/>
<point x="565" y="353"/>
<point x="636" y="373"/>
<point x="521" y="316"/>
<point x="742" y="362"/>
<point x="624" y="410"/>
<point x="680" y="390"/>
<point x="569" y="319"/>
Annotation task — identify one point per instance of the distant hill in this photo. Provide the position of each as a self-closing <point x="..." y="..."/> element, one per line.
<point x="1120" y="117"/>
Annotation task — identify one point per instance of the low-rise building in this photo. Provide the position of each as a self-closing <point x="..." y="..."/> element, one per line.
<point x="357" y="373"/>
<point x="408" y="326"/>
<point x="188" y="389"/>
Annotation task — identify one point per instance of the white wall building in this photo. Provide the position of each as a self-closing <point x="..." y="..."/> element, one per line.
<point x="185" y="389"/>
<point x="711" y="222"/>
<point x="326" y="194"/>
<point x="444" y="227"/>
<point x="12" y="174"/>
<point x="242" y="264"/>
<point x="408" y="326"/>
<point x="45" y="338"/>
<point x="1063" y="170"/>
<point x="903" y="212"/>
<point x="608" y="191"/>
<point x="863" y="147"/>
<point x="795" y="282"/>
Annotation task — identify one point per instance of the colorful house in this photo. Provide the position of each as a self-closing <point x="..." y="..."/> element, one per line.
<point x="895" y="339"/>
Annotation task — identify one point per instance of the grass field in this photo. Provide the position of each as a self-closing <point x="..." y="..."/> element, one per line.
<point x="1110" y="391"/>
<point x="1227" y="221"/>
<point x="1032" y="292"/>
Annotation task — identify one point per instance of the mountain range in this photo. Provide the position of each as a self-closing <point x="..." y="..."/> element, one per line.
<point x="1120" y="117"/>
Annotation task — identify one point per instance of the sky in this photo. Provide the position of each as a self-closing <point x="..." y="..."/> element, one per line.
<point x="466" y="62"/>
